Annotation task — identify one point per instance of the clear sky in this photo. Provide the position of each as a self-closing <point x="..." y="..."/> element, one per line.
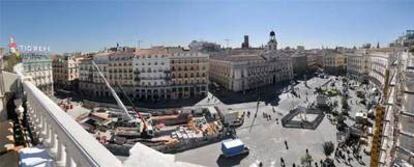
<point x="68" y="26"/>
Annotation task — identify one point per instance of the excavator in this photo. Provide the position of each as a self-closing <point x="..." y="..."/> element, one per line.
<point x="147" y="131"/>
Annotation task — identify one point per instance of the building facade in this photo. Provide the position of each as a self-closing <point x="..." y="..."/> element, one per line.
<point x="334" y="62"/>
<point x="38" y="66"/>
<point x="300" y="64"/>
<point x="153" y="74"/>
<point x="241" y="71"/>
<point x="378" y="66"/>
<point x="315" y="60"/>
<point x="357" y="66"/>
<point x="66" y="70"/>
<point x="405" y="139"/>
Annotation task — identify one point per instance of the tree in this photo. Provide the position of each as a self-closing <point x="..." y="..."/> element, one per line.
<point x="340" y="118"/>
<point x="345" y="104"/>
<point x="328" y="148"/>
<point x="306" y="160"/>
<point x="10" y="61"/>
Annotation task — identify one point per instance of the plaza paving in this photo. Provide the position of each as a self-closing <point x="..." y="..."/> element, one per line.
<point x="266" y="138"/>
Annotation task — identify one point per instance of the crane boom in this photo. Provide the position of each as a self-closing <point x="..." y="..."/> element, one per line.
<point x="118" y="100"/>
<point x="133" y="106"/>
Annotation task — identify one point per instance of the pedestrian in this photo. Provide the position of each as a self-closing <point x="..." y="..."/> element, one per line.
<point x="282" y="161"/>
<point x="321" y="162"/>
<point x="293" y="165"/>
<point x="260" y="164"/>
<point x="286" y="145"/>
<point x="316" y="164"/>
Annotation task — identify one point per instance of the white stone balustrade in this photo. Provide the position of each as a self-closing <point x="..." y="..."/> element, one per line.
<point x="67" y="142"/>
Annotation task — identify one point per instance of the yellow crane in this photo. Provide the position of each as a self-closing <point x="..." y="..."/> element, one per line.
<point x="378" y="126"/>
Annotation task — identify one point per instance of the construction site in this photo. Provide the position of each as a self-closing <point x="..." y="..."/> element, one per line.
<point x="171" y="130"/>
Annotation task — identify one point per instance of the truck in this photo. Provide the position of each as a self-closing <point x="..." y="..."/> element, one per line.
<point x="233" y="147"/>
<point x="232" y="118"/>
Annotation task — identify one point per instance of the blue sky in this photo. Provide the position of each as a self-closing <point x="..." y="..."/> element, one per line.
<point x="68" y="26"/>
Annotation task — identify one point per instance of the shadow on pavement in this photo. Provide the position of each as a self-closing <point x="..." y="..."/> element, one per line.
<point x="269" y="94"/>
<point x="233" y="161"/>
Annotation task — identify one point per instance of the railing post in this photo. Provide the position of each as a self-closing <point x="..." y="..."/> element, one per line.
<point x="53" y="144"/>
<point x="65" y="140"/>
<point x="43" y="127"/>
<point x="69" y="159"/>
<point x="61" y="154"/>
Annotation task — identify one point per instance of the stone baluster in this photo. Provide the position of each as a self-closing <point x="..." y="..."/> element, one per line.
<point x="43" y="127"/>
<point x="53" y="141"/>
<point x="61" y="153"/>
<point x="69" y="159"/>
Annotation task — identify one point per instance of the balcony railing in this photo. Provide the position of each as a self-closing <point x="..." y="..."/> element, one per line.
<point x="66" y="141"/>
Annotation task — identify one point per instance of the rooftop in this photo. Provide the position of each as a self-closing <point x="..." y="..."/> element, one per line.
<point x="239" y="58"/>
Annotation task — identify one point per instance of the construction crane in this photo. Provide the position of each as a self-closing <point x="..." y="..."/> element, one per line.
<point x="379" y="116"/>
<point x="148" y="131"/>
<point x="118" y="100"/>
<point x="146" y="128"/>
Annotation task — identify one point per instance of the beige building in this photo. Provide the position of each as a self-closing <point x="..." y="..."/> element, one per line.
<point x="240" y="71"/>
<point x="334" y="62"/>
<point x="158" y="73"/>
<point x="379" y="65"/>
<point x="66" y="70"/>
<point x="315" y="60"/>
<point x="358" y="66"/>
<point x="189" y="74"/>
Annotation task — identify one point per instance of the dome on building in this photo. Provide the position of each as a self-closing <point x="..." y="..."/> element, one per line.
<point x="272" y="33"/>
